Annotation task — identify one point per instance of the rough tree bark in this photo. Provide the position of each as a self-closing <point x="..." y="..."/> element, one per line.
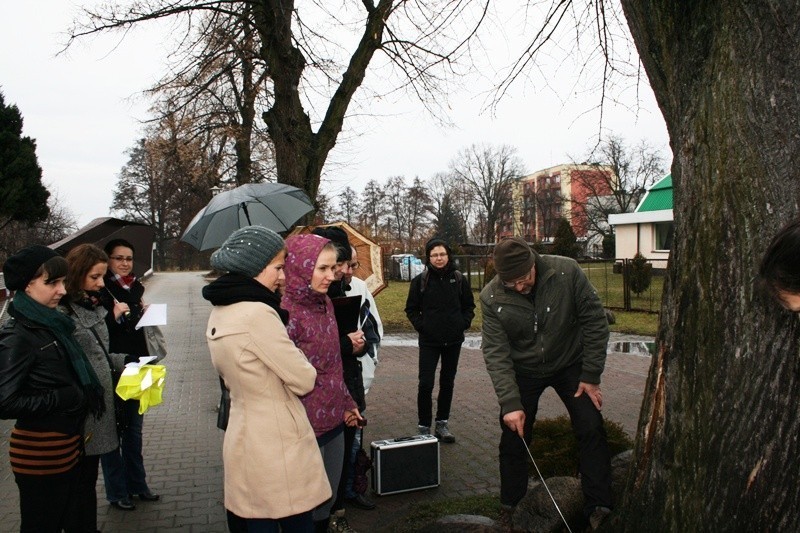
<point x="717" y="446"/>
<point x="246" y="98"/>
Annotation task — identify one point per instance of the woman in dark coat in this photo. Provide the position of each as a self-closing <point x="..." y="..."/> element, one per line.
<point x="440" y="306"/>
<point x="48" y="386"/>
<point x="123" y="469"/>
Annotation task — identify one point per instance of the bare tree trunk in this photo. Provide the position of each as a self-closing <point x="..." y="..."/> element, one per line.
<point x="490" y="231"/>
<point x="717" y="446"/>
<point x="299" y="152"/>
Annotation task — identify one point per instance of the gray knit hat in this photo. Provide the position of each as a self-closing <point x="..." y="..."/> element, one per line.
<point x="247" y="251"/>
<point x="513" y="258"/>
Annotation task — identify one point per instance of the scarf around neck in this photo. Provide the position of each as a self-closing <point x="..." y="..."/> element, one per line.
<point x="62" y="327"/>
<point x="449" y="267"/>
<point x="234" y="288"/>
<point x="88" y="299"/>
<point x="126" y="282"/>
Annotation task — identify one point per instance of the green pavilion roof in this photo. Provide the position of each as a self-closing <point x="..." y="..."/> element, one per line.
<point x="658" y="197"/>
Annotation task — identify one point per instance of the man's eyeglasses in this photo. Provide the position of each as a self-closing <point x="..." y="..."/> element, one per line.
<point x="437" y="256"/>
<point x="122" y="258"/>
<point x="521" y="281"/>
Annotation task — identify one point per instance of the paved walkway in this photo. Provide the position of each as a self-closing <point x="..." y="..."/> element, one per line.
<point x="183" y="447"/>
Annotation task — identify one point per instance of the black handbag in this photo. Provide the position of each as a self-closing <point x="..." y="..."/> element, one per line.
<point x="224" y="409"/>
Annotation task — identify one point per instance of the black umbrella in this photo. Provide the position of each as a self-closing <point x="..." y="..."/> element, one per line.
<point x="276" y="206"/>
<point x="102" y="230"/>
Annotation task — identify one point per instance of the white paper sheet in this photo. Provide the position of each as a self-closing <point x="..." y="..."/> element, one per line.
<point x="156" y="315"/>
<point x="132" y="368"/>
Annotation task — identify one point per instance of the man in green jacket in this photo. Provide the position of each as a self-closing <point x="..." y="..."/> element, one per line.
<point x="544" y="326"/>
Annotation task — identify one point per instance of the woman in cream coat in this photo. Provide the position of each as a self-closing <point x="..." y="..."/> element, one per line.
<point x="274" y="474"/>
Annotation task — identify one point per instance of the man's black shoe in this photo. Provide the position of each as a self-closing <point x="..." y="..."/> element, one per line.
<point x="361" y="501"/>
<point x="148" y="497"/>
<point x="125" y="504"/>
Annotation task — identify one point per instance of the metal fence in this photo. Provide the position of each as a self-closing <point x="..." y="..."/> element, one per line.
<point x="610" y="277"/>
<point x="472" y="266"/>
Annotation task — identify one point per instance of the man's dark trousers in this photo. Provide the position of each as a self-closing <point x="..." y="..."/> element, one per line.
<point x="587" y="423"/>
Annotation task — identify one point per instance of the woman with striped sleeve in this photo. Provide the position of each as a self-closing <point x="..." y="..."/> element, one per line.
<point x="48" y="386"/>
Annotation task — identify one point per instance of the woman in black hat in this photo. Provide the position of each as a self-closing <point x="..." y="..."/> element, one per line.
<point x="48" y="386"/>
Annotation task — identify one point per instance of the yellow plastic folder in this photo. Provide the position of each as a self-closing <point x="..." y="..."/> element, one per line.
<point x="144" y="383"/>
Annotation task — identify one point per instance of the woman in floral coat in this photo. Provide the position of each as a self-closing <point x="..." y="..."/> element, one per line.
<point x="310" y="270"/>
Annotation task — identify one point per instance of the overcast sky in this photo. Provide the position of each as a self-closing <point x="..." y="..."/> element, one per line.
<point x="83" y="110"/>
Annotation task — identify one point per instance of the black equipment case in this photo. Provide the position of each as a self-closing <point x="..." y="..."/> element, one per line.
<point x="405" y="464"/>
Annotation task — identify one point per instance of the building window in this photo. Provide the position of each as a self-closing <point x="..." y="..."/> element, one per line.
<point x="663" y="238"/>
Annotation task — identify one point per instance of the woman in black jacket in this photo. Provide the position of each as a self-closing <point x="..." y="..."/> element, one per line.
<point x="47" y="385"/>
<point x="123" y="468"/>
<point x="440" y="306"/>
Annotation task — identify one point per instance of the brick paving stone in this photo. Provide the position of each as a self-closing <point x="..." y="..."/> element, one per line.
<point x="183" y="447"/>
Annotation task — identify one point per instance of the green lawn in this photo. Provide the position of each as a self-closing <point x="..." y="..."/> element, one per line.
<point x="392" y="300"/>
<point x="609" y="287"/>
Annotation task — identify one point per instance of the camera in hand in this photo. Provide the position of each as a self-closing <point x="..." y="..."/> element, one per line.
<point x="361" y="422"/>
